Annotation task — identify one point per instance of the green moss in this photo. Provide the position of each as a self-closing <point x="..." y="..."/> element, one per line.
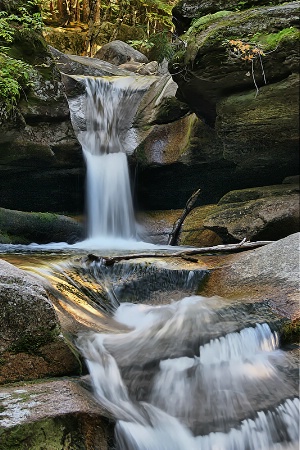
<point x="290" y="332"/>
<point x="31" y="343"/>
<point x="35" y="436"/>
<point x="273" y="40"/>
<point x="203" y="22"/>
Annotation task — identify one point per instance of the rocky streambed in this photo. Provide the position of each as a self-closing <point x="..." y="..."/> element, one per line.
<point x="46" y="398"/>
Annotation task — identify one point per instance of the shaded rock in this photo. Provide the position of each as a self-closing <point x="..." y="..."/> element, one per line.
<point x="292" y="180"/>
<point x="157" y="227"/>
<point x="193" y="231"/>
<point x="159" y="105"/>
<point x="165" y="144"/>
<point x="256" y="132"/>
<point x="37" y="143"/>
<point x="273" y="215"/>
<point x="54" y="414"/>
<point x="31" y="345"/>
<point x="20" y="227"/>
<point x="118" y="52"/>
<point x="270" y="273"/>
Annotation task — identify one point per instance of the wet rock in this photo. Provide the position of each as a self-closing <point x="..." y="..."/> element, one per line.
<point x="268" y="213"/>
<point x="31" y="345"/>
<point x="141" y="68"/>
<point x="118" y="52"/>
<point x="159" y="105"/>
<point x="20" y="227"/>
<point x="56" y="414"/>
<point x="269" y="273"/>
<point x="83" y="65"/>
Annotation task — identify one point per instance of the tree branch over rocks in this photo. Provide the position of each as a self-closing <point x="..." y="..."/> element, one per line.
<point x="184" y="254"/>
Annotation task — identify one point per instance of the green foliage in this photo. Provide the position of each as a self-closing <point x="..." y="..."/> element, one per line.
<point x="15" y="75"/>
<point x="151" y="16"/>
<point x="157" y="47"/>
<point x="161" y="47"/>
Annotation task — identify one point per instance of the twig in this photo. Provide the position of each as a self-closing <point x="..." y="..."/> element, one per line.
<point x="253" y="77"/>
<point x="173" y="237"/>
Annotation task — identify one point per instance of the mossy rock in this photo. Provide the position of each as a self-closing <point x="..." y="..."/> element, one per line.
<point x="207" y="71"/>
<point x="24" y="227"/>
<point x="186" y="11"/>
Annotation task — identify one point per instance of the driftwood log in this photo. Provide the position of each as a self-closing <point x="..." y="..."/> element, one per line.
<point x="184" y="254"/>
<point x="174" y="235"/>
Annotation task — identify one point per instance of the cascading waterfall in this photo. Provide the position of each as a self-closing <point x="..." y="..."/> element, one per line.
<point x="103" y="129"/>
<point x="171" y="387"/>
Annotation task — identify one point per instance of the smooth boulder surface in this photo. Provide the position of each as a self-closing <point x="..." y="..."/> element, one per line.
<point x="31" y="345"/>
<point x="266" y="213"/>
<point x="269" y="273"/>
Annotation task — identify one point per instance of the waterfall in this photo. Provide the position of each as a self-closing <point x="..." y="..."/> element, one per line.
<point x="171" y="387"/>
<point x="102" y="122"/>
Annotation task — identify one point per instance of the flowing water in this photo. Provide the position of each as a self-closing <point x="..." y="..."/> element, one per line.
<point x="177" y="371"/>
<point x="170" y="386"/>
<point x="103" y="129"/>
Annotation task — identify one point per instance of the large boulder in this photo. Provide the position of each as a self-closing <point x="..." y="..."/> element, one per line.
<point x="269" y="273"/>
<point x="52" y="414"/>
<point x="31" y="344"/>
<point x="118" y="52"/>
<point x="267" y="213"/>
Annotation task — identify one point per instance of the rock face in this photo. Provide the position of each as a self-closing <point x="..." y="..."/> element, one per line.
<point x="41" y="164"/>
<point x="187" y="10"/>
<point x="241" y="139"/>
<point x="31" y="345"/>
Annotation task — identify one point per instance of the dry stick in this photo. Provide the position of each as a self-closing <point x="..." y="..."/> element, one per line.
<point x="173" y="237"/>
<point x="243" y="245"/>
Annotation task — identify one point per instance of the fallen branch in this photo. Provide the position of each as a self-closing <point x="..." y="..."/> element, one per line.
<point x="174" y="235"/>
<point x="243" y="245"/>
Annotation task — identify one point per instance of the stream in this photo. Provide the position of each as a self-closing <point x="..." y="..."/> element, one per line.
<point x="176" y="370"/>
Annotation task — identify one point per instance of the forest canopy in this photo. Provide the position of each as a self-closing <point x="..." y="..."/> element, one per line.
<point x="149" y="17"/>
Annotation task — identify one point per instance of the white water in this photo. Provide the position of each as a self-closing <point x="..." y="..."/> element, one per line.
<point x="169" y="393"/>
<point x="110" y="106"/>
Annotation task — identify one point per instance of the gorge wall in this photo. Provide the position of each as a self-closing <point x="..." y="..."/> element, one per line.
<point x="217" y="134"/>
